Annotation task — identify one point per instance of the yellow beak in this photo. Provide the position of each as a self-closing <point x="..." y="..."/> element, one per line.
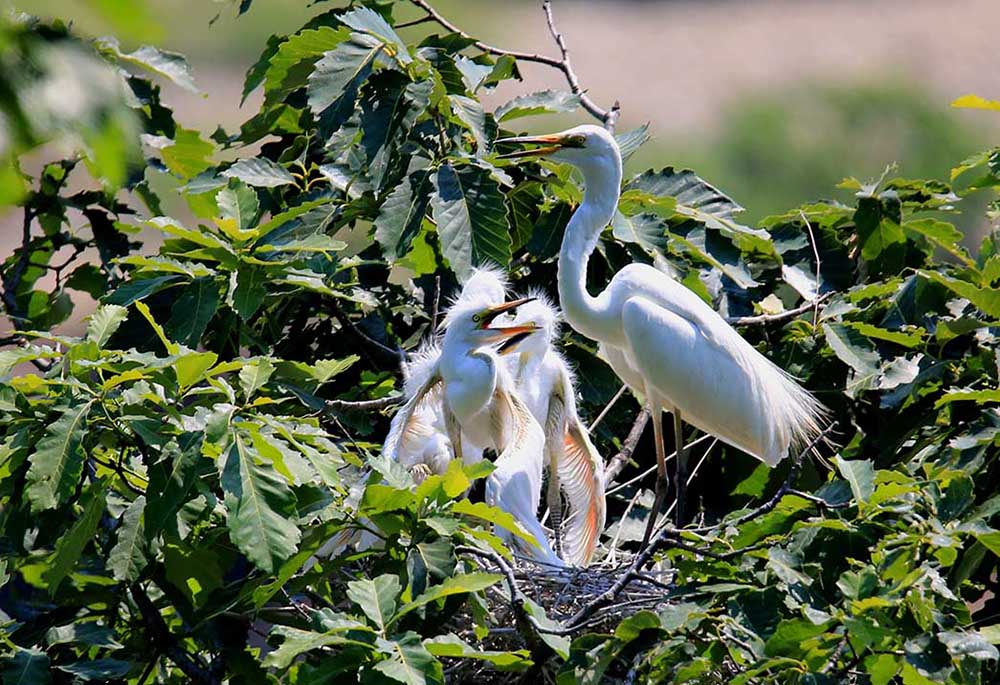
<point x="550" y="143"/>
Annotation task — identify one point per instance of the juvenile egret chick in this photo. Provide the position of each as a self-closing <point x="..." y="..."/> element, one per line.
<point x="663" y="340"/>
<point x="425" y="447"/>
<point x="479" y="401"/>
<point x="546" y="385"/>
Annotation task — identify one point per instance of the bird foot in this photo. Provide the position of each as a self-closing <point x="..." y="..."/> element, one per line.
<point x="419" y="473"/>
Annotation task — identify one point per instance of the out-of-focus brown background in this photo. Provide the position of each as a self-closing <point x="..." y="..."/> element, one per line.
<point x="775" y="101"/>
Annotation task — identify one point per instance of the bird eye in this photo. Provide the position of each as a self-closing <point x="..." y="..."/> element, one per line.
<point x="476" y="318"/>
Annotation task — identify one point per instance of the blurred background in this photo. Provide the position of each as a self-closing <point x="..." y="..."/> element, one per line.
<point x="773" y="100"/>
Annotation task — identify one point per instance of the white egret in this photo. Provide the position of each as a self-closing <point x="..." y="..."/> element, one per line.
<point x="425" y="447"/>
<point x="669" y="346"/>
<point x="481" y="407"/>
<point x="546" y="385"/>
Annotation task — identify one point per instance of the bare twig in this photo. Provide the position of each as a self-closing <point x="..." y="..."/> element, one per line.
<point x="345" y="322"/>
<point x="763" y="319"/>
<point x="620" y="460"/>
<point x="608" y="117"/>
<point x="607" y="408"/>
<point x="435" y="304"/>
<point x="812" y="241"/>
<point x="365" y="405"/>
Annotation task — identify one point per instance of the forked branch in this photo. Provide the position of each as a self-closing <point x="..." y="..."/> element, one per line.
<point x="608" y="117"/>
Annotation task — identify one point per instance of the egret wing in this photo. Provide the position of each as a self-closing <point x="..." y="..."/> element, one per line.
<point x="407" y="426"/>
<point x="581" y="477"/>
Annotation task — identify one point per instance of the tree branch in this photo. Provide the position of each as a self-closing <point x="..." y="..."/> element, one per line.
<point x="365" y="405"/>
<point x="166" y="642"/>
<point x="764" y="319"/>
<point x="620" y="460"/>
<point x="608" y="117"/>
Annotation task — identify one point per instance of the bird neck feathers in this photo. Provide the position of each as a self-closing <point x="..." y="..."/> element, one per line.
<point x="602" y="185"/>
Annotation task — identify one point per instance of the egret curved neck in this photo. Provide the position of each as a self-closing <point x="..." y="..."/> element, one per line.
<point x="602" y="186"/>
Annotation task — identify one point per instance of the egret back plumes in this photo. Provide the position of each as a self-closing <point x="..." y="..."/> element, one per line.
<point x="545" y="383"/>
<point x="663" y="340"/>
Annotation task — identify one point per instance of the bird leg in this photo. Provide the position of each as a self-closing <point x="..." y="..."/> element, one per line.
<point x="660" y="490"/>
<point x="555" y="430"/>
<point x="554" y="502"/>
<point x="680" y="473"/>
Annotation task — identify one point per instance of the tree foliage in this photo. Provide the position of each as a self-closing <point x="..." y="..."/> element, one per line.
<point x="168" y="476"/>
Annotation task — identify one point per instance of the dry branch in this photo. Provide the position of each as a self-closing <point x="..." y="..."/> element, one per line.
<point x="608" y="117"/>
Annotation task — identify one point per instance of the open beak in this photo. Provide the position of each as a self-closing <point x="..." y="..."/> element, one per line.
<point x="507" y="336"/>
<point x="550" y="144"/>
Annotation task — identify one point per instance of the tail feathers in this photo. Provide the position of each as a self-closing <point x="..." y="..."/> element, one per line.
<point x="581" y="475"/>
<point x="797" y="418"/>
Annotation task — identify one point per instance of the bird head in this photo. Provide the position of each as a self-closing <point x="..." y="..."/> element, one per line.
<point x="581" y="146"/>
<point x="541" y="312"/>
<point x="473" y="325"/>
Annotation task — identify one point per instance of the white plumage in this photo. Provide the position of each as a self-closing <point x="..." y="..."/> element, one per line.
<point x="545" y="384"/>
<point x="465" y="389"/>
<point x="667" y="344"/>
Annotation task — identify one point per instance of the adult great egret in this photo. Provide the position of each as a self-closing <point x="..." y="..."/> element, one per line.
<point x="546" y="385"/>
<point x="661" y="338"/>
<point x="481" y="407"/>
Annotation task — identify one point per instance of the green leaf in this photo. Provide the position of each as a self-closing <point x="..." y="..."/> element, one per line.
<point x="128" y="557"/>
<point x="27" y="667"/>
<point x="191" y="367"/>
<point x="968" y="644"/>
<point x="342" y="70"/>
<point x="451" y="645"/>
<point x="259" y="507"/>
<point x="239" y="203"/>
<point x="71" y="545"/>
<point x="986" y="299"/>
<point x="104" y="322"/>
<point x="293" y="62"/>
<point x="368" y="21"/>
<point x="435" y="559"/>
<point x="855" y="350"/>
<point x="456" y="585"/>
<point x="260" y="172"/>
<point x="254" y="375"/>
<point x="630" y="141"/>
<point x="98" y="669"/>
<point x="377" y="598"/>
<point x="904" y="338"/>
<point x="137" y="289"/>
<point x="471" y="217"/>
<point x="469" y="113"/>
<point x="409" y="661"/>
<point x="400" y="216"/>
<point x="192" y="311"/>
<point x="695" y="199"/>
<point x="57" y="463"/>
<point x="977" y="396"/>
<point x="168" y="344"/>
<point x="247" y="291"/>
<point x="859" y="474"/>
<point x="940" y="234"/>
<point x="498" y="517"/>
<point x="298" y="641"/>
<point x="188" y="155"/>
<point x="170" y="480"/>
<point x="540" y="102"/>
<point x="171" y="65"/>
<point x="791" y="633"/>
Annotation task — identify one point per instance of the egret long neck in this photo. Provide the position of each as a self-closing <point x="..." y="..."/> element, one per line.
<point x="587" y="314"/>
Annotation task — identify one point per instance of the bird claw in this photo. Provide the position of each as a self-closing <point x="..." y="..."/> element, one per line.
<point x="419" y="473"/>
